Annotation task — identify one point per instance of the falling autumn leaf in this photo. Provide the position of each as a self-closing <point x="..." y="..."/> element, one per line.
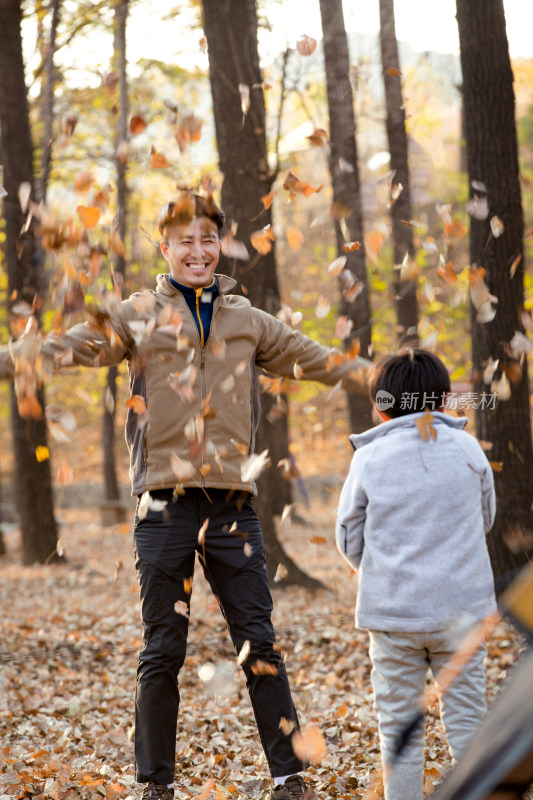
<point x="447" y="273"/>
<point x="83" y="181"/>
<point x="496" y="226"/>
<point x="425" y="427"/>
<point x="514" y="265"/>
<point x="42" y="453"/>
<point x="309" y="745"/>
<point x="254" y="465"/>
<point x="264" y="668"/>
<point x="158" y="160"/>
<point x="392" y="71"/>
<point x="350" y="247"/>
<point x="337" y="266"/>
<point x="294" y="186"/>
<point x="262" y="240"/>
<point x="295" y="238"/>
<point x="306" y="45"/>
<point x="136" y="403"/>
<point x="138" y="124"/>
<point x="89" y="216"/>
<point x="268" y="199"/>
<point x="244" y="92"/>
<point x="318" y="137"/>
<point x="244" y="652"/>
<point x="181" y="607"/>
<point x="455" y="229"/>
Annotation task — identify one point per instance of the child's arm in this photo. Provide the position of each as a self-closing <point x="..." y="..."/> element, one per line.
<point x="488" y="497"/>
<point x="351" y="516"/>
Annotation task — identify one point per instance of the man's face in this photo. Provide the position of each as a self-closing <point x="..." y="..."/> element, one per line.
<point x="192" y="252"/>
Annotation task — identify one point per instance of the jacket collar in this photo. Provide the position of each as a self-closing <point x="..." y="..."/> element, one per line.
<point x="403" y="423"/>
<point x="224" y="283"/>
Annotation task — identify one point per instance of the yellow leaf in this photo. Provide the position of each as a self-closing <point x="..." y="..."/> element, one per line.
<point x="42" y="453"/>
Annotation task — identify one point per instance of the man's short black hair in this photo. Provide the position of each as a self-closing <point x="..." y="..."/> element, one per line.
<point x="408" y="381"/>
<point x="185" y="208"/>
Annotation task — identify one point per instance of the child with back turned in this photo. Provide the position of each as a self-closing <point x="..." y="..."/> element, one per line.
<point x="412" y="519"/>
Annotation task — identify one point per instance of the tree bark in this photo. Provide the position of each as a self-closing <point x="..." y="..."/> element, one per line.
<point x="492" y="156"/>
<point x="47" y="113"/>
<point x="344" y="168"/>
<point x="112" y="489"/>
<point x="32" y="478"/>
<point x="231" y="32"/>
<point x="401" y="212"/>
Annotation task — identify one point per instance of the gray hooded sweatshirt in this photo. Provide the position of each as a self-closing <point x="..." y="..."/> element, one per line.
<point x="412" y="520"/>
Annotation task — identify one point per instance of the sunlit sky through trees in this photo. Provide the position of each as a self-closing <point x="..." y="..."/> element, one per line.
<point x="422" y="24"/>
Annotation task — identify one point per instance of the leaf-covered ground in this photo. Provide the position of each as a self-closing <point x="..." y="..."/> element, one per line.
<point x="69" y="635"/>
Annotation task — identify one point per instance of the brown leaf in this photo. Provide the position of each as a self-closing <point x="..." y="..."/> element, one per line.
<point x="294" y="186"/>
<point x="306" y="45"/>
<point x="318" y="138"/>
<point x="264" y="668"/>
<point x="392" y="71"/>
<point x="137" y="124"/>
<point x="425" y="428"/>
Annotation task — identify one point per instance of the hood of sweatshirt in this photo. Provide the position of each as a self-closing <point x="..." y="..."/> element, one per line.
<point x="401" y="423"/>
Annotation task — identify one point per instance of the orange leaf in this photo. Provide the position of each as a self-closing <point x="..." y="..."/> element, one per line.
<point x="89" y="216"/>
<point x="392" y="71"/>
<point x="295" y="238"/>
<point x="455" y="229"/>
<point x="447" y="273"/>
<point x="158" y="160"/>
<point x="83" y="181"/>
<point x="264" y="668"/>
<point x="309" y="745"/>
<point x="268" y="199"/>
<point x="137" y="124"/>
<point x="262" y="240"/>
<point x="136" y="403"/>
<point x="349" y="247"/>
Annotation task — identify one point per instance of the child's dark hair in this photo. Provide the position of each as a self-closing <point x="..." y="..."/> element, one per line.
<point x="409" y="381"/>
<point x="188" y="206"/>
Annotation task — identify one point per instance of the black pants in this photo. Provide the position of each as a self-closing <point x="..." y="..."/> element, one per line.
<point x="165" y="544"/>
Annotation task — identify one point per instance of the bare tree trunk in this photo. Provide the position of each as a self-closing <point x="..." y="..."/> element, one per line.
<point x="344" y="168"/>
<point x="231" y="32"/>
<point x="47" y="113"/>
<point x="112" y="488"/>
<point x="492" y="155"/>
<point x="32" y="479"/>
<point x="401" y="212"/>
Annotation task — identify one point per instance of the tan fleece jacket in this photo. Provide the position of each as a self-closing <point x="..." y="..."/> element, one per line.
<point x="202" y="405"/>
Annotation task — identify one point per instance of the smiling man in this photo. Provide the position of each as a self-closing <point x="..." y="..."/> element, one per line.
<point x="192" y="348"/>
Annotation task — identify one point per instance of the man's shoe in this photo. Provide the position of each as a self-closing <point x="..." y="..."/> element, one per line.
<point x="156" y="791"/>
<point x="294" y="788"/>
